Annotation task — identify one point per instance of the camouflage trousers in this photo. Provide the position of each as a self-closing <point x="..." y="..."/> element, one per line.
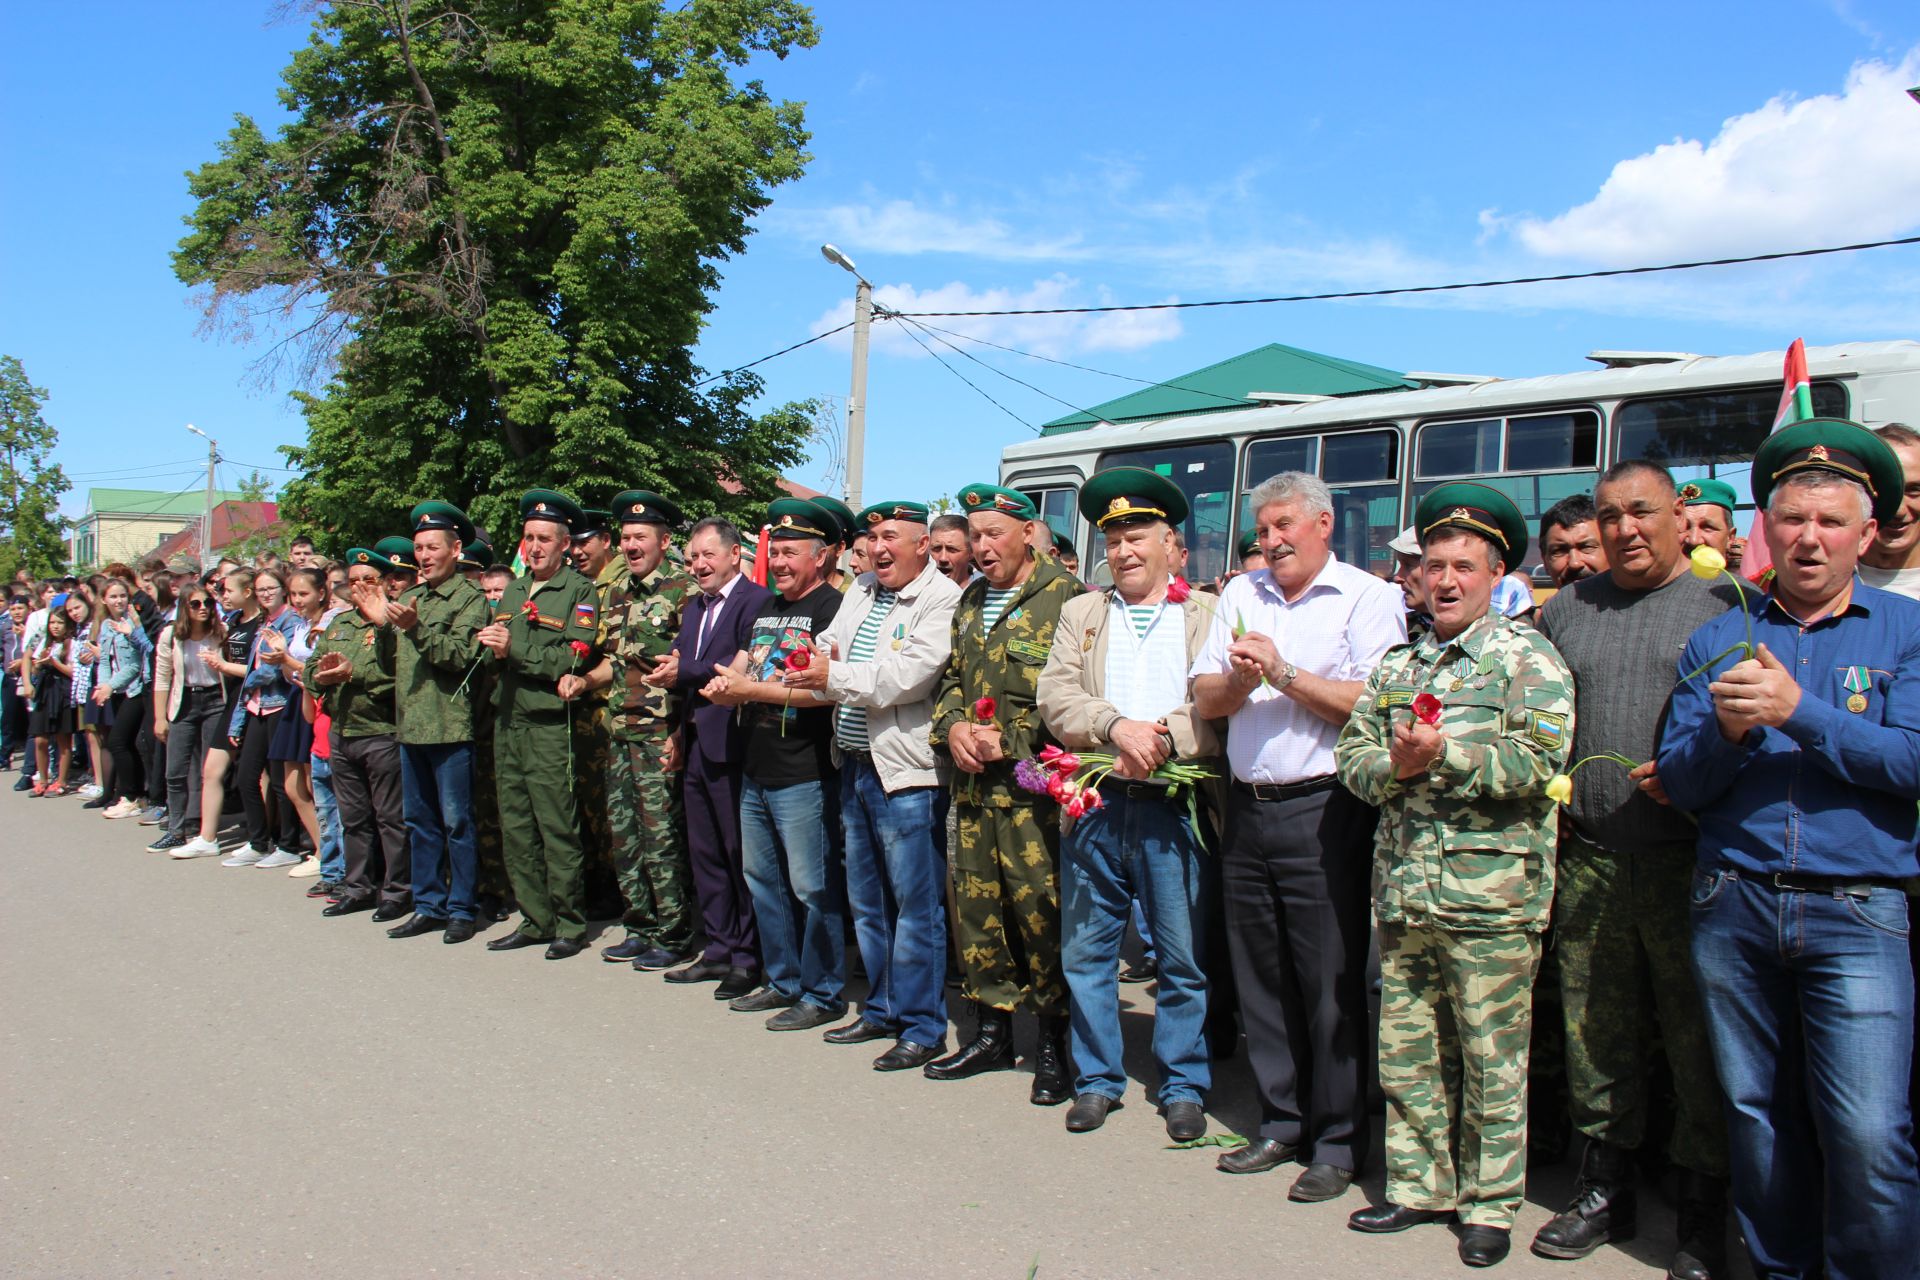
<point x="1006" y="889"/>
<point x="592" y="754"/>
<point x="1456" y="1015"/>
<point x="649" y="829"/>
<point x="1624" y="933"/>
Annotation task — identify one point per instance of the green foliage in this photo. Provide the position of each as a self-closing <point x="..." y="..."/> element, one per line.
<point x="505" y="219"/>
<point x="32" y="530"/>
<point x="255" y="487"/>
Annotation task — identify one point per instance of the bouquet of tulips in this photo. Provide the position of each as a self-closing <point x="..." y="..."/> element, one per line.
<point x="1073" y="781"/>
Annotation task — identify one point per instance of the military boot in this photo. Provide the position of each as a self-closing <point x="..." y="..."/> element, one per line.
<point x="991" y="1049"/>
<point x="1702" y="1219"/>
<point x="1602" y="1208"/>
<point x="1052" y="1074"/>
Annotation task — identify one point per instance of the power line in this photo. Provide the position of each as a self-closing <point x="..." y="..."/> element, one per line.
<point x="1235" y="401"/>
<point x="156" y="468"/>
<point x="1003" y="373"/>
<point x="1426" y="288"/>
<point x="963" y="377"/>
<point x="715" y="377"/>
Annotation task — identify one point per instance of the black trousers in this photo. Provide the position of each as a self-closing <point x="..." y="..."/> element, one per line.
<point x="129" y="764"/>
<point x="373" y="826"/>
<point x="257" y="736"/>
<point x="1295" y="875"/>
<point x="13" y="719"/>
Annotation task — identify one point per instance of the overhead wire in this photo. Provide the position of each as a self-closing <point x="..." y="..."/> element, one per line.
<point x="989" y="368"/>
<point x="715" y="377"/>
<point x="1235" y="401"/>
<point x="963" y="377"/>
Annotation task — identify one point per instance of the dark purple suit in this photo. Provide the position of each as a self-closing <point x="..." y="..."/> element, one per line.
<point x="710" y="781"/>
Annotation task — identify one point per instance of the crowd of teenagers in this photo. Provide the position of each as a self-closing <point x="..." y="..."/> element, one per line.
<point x="1628" y="859"/>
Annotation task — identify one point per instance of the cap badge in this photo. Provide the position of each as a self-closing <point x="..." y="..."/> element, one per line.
<point x="973" y="499"/>
<point x="1818" y="454"/>
<point x="786" y="522"/>
<point x="1689" y="492"/>
<point x="1116" y="506"/>
<point x="1459" y="513"/>
<point x="539" y="506"/>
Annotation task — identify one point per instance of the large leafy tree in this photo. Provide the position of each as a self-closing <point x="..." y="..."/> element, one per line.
<point x="32" y="531"/>
<point x="503" y="219"/>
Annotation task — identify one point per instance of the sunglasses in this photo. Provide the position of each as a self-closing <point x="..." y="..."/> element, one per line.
<point x="201" y="603"/>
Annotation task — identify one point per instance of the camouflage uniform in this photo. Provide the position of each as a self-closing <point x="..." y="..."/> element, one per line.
<point x="643" y="799"/>
<point x="492" y="886"/>
<point x="1463" y="880"/>
<point x="1006" y="841"/>
<point x="593" y="757"/>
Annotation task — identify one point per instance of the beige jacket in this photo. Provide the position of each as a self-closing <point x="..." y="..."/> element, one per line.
<point x="1072" y="684"/>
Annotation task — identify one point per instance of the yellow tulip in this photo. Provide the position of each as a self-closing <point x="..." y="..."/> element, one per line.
<point x="1707" y="563"/>
<point x="1560" y="788"/>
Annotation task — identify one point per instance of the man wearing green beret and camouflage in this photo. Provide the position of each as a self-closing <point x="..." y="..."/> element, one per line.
<point x="1007" y="840"/>
<point x="543" y="639"/>
<point x="1455" y="738"/>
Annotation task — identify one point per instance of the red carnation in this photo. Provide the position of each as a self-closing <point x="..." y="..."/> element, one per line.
<point x="580" y="648"/>
<point x="799" y="660"/>
<point x="532" y="611"/>
<point x="983" y="710"/>
<point x="1179" y="589"/>
<point x="1426" y="708"/>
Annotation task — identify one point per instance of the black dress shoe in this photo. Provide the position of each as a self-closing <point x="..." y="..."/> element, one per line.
<point x="654" y="959"/>
<point x="698" y="971"/>
<point x="1484" y="1246"/>
<point x="1052" y="1065"/>
<point x="347" y="906"/>
<point x="1381" y="1219"/>
<point x="415" y="927"/>
<point x="906" y="1055"/>
<point x="623" y="952"/>
<point x="459" y="931"/>
<point x="1320" y="1182"/>
<point x="565" y="948"/>
<point x="516" y="940"/>
<point x="765" y="1000"/>
<point x="859" y="1031"/>
<point x="1089" y="1112"/>
<point x="1185" y="1121"/>
<point x="991" y="1049"/>
<point x="492" y="909"/>
<point x="1145" y="971"/>
<point x="737" y="983"/>
<point x="802" y="1017"/>
<point x="390" y="911"/>
<point x="1258" y="1156"/>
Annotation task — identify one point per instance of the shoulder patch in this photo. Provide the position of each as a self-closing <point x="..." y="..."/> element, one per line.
<point x="1546" y="728"/>
<point x="1387" y="699"/>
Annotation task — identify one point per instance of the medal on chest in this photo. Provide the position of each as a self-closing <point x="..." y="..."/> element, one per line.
<point x="1857" y="680"/>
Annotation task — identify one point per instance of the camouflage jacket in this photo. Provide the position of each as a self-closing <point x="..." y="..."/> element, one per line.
<point x="641" y="619"/>
<point x="1004" y="665"/>
<point x="541" y="644"/>
<point x="361" y="706"/>
<point x="1469" y="845"/>
<point x="433" y="697"/>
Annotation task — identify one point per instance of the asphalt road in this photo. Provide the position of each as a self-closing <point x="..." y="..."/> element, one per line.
<point x="203" y="1077"/>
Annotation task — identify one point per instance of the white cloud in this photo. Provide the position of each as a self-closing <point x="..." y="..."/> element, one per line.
<point x="1793" y="174"/>
<point x="902" y="228"/>
<point x="1055" y="336"/>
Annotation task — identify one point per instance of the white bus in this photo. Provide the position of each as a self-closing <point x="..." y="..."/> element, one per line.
<point x="1536" y="439"/>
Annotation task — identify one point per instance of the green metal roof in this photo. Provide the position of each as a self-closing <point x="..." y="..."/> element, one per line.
<point x="1274" y="367"/>
<point x="155" y="502"/>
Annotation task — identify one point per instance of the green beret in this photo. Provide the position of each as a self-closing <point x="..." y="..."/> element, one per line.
<point x="443" y="515"/>
<point x="637" y="506"/>
<point x="593" y="520"/>
<point x="799" y="518"/>
<point x="1128" y="493"/>
<point x="476" y="554"/>
<point x="913" y="512"/>
<point x="395" y="555"/>
<point x="1477" y="509"/>
<point x="1712" y="493"/>
<point x="842" y="516"/>
<point x="1063" y="545"/>
<point x="991" y="497"/>
<point x="551" y="505"/>
<point x="1249" y="543"/>
<point x="1836" y="445"/>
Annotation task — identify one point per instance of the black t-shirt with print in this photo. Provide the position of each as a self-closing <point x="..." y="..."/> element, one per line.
<point x="802" y="752"/>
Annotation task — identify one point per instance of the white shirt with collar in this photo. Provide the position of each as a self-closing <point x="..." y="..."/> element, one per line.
<point x="1337" y="628"/>
<point x="1146" y="676"/>
<point x="715" y="603"/>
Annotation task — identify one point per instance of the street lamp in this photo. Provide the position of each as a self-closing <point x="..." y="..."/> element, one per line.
<point x="206" y="520"/>
<point x="857" y="400"/>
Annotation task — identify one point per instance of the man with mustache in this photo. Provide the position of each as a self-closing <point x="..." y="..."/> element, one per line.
<point x="1570" y="547"/>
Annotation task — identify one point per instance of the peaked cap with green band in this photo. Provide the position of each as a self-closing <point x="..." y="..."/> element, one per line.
<point x="976" y="498"/>
<point x="637" y="506"/>
<point x="1476" y="509"/>
<point x="477" y="554"/>
<point x="1249" y="543"/>
<point x="365" y="556"/>
<point x="1131" y="493"/>
<point x="443" y="515"/>
<point x="879" y="512"/>
<point x="842" y="516"/>
<point x="1836" y="445"/>
<point x="395" y="555"/>
<point x="553" y="506"/>
<point x="1711" y="493"/>
<point x="800" y="518"/>
<point x="593" y="520"/>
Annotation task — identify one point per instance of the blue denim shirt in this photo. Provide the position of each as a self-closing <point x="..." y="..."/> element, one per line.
<point x="1833" y="791"/>
<point x="269" y="681"/>
<point x="122" y="665"/>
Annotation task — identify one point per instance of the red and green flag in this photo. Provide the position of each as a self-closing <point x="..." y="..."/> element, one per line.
<point x="1796" y="405"/>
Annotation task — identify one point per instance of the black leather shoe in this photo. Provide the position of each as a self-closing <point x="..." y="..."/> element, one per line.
<point x="623" y="952"/>
<point x="698" y="971"/>
<point x="1603" y="1206"/>
<point x="347" y="906"/>
<point x="415" y="927"/>
<point x="390" y="911"/>
<point x="1258" y="1156"/>
<point x="1089" y="1112"/>
<point x="1320" y="1182"/>
<point x="907" y="1055"/>
<point x="1052" y="1065"/>
<point x="1700" y="1251"/>
<point x="459" y="931"/>
<point x="654" y="959"/>
<point x="802" y="1017"/>
<point x="765" y="1000"/>
<point x="1185" y="1121"/>
<point x="1484" y="1246"/>
<point x="737" y="983"/>
<point x="565" y="948"/>
<point x="859" y="1031"/>
<point x="493" y="909"/>
<point x="1381" y="1219"/>
<point x="1145" y="971"/>
<point x="991" y="1049"/>
<point x="516" y="940"/>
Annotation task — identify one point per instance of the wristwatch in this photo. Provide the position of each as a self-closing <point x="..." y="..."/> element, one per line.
<point x="1287" y="675"/>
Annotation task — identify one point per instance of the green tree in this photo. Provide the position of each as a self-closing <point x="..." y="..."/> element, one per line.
<point x="252" y="538"/>
<point x="504" y="220"/>
<point x="32" y="530"/>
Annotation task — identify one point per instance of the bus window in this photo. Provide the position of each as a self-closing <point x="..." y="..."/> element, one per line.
<point x="1459" y="448"/>
<point x="1553" y="442"/>
<point x="1709" y="427"/>
<point x="1203" y="470"/>
<point x="1362" y="468"/>
<point x="1055" y="506"/>
<point x="1535" y="459"/>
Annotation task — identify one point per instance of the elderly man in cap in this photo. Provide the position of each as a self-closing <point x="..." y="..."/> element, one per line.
<point x="1801" y="761"/>
<point x="1407" y="577"/>
<point x="878" y="663"/>
<point x="985" y="717"/>
<point x="1456" y="738"/>
<point x="789" y="787"/>
<point x="1709" y="507"/>
<point x="1116" y="681"/>
<point x="1289" y="650"/>
<point x="543" y="639"/>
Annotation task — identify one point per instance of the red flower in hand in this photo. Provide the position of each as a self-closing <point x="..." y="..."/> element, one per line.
<point x="532" y="611"/>
<point x="1178" y="590"/>
<point x="799" y="660"/>
<point x="580" y="648"/>
<point x="983" y="710"/>
<point x="1426" y="709"/>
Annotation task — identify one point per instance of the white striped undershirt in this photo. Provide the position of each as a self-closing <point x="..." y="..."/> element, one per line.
<point x="993" y="606"/>
<point x="850" y="723"/>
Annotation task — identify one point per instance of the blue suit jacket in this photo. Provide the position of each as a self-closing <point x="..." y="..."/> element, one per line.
<point x="715" y="731"/>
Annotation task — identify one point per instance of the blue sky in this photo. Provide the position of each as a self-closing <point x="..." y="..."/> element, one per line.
<point x="1072" y="154"/>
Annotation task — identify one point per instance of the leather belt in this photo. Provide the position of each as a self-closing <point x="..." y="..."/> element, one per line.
<point x="1794" y="882"/>
<point x="1267" y="792"/>
<point x="1134" y="789"/>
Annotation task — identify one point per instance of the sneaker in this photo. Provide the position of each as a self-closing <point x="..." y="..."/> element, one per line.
<point x="124" y="809"/>
<point x="278" y="858"/>
<point x="154" y="816"/>
<point x="91" y="791"/>
<point x="166" y="843"/>
<point x="198" y="847"/>
<point x="308" y="867"/>
<point x="247" y="857"/>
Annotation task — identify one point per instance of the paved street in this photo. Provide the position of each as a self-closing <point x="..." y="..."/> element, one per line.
<point x="202" y="1077"/>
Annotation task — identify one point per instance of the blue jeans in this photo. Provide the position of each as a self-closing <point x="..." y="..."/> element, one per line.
<point x="333" y="853"/>
<point x="436" y="789"/>
<point x="896" y="885"/>
<point x="783" y="843"/>
<point x="1809" y="1005"/>
<point x="1142" y="846"/>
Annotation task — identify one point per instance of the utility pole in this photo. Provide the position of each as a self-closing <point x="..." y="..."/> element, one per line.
<point x="857" y="400"/>
<point x="206" y="519"/>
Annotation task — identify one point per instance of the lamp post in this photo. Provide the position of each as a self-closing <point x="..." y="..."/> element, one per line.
<point x="857" y="398"/>
<point x="206" y="519"/>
